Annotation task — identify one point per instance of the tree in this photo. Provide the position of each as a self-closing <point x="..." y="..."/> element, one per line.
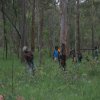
<point x="33" y="27"/>
<point x="64" y="36"/>
<point x="40" y="11"/>
<point x="5" y="32"/>
<point x="77" y="32"/>
<point x="23" y="25"/>
<point x="92" y="27"/>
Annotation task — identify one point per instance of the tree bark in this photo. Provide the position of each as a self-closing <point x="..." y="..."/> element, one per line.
<point x="5" y="32"/>
<point x="23" y="25"/>
<point x="92" y="27"/>
<point x="40" y="29"/>
<point x="64" y="36"/>
<point x="33" y="27"/>
<point x="77" y="30"/>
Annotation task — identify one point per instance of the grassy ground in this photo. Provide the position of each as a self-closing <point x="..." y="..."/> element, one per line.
<point x="80" y="82"/>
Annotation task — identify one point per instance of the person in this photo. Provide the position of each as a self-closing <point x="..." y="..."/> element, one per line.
<point x="59" y="55"/>
<point x="72" y="54"/>
<point x="28" y="57"/>
<point x="63" y="56"/>
<point x="55" y="54"/>
<point x="80" y="57"/>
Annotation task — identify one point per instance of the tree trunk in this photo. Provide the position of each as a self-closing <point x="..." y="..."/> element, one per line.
<point x="92" y="27"/>
<point x="23" y="26"/>
<point x="40" y="29"/>
<point x="17" y="41"/>
<point x="5" y="32"/>
<point x="77" y="30"/>
<point x="33" y="27"/>
<point x="51" y="33"/>
<point x="64" y="36"/>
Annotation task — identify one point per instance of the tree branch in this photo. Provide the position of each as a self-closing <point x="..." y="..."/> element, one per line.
<point x="10" y="21"/>
<point x="12" y="24"/>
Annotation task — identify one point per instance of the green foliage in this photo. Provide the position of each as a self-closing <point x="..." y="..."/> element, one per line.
<point x="80" y="82"/>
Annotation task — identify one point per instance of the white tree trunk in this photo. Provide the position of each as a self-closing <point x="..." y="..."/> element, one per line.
<point x="64" y="36"/>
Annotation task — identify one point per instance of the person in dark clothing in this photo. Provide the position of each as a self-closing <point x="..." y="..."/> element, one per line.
<point x="72" y="54"/>
<point x="80" y="57"/>
<point x="28" y="57"/>
<point x="63" y="56"/>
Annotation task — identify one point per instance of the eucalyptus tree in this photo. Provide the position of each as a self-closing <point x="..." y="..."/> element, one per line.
<point x="77" y="32"/>
<point x="64" y="36"/>
<point x="33" y="26"/>
<point x="42" y="6"/>
<point x="4" y="27"/>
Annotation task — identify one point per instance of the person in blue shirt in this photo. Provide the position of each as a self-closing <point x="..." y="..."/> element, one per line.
<point x="55" y="54"/>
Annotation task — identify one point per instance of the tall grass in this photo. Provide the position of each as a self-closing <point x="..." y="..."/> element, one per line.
<point x="80" y="81"/>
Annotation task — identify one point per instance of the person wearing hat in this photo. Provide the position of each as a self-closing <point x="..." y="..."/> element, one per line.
<point x="28" y="57"/>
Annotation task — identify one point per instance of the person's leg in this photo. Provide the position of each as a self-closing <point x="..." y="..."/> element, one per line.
<point x="32" y="67"/>
<point x="29" y="67"/>
<point x="55" y="59"/>
<point x="64" y="66"/>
